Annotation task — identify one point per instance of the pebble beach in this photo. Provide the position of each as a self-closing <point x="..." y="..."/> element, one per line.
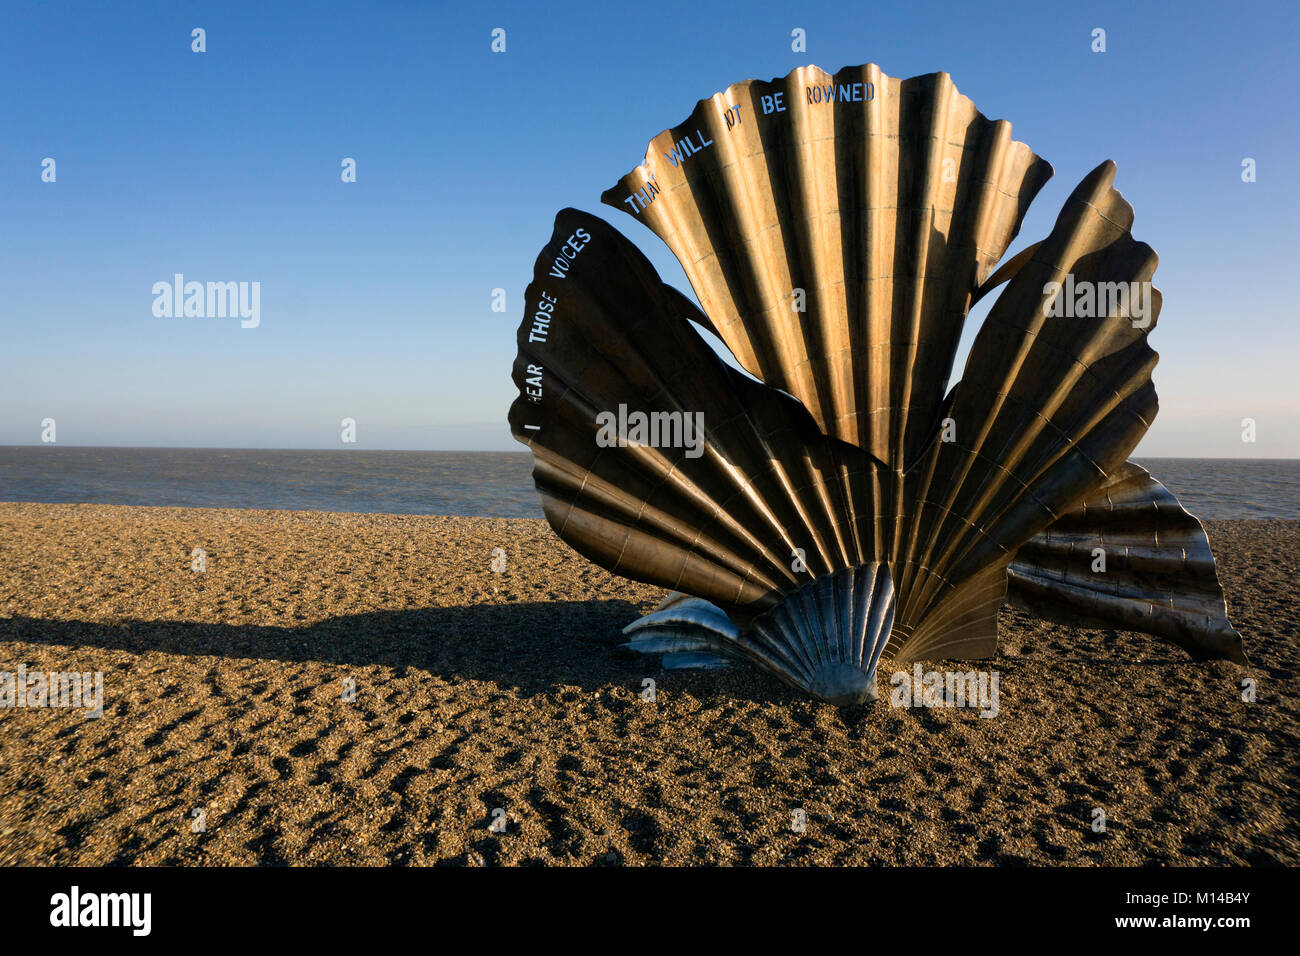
<point x="302" y="688"/>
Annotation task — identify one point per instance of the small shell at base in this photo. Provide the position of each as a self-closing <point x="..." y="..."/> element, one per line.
<point x="826" y="638"/>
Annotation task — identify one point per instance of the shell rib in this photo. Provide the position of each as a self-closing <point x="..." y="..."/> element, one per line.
<point x="1045" y="410"/>
<point x="887" y="207"/>
<point x="723" y="526"/>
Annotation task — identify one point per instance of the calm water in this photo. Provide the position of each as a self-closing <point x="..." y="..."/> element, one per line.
<point x="492" y="484"/>
<point x="1229" y="488"/>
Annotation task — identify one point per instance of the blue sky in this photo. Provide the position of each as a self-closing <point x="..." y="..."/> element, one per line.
<point x="376" y="295"/>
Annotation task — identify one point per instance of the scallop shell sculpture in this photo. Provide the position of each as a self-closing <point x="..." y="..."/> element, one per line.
<point x="836" y="502"/>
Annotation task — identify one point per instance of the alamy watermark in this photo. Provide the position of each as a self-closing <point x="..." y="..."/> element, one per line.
<point x="946" y="689"/>
<point x="655" y="429"/>
<point x="75" y="908"/>
<point x="1098" y="300"/>
<point x="20" y="688"/>
<point x="211" y="300"/>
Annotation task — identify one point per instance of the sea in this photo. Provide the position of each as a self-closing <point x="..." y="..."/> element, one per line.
<point x="488" y="484"/>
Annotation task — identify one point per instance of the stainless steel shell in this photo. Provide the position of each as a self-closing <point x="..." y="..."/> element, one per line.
<point x="852" y="453"/>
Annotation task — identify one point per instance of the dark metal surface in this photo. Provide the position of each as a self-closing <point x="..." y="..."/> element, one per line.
<point x="1159" y="575"/>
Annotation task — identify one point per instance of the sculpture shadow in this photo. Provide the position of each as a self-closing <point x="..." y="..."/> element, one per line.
<point x="535" y="646"/>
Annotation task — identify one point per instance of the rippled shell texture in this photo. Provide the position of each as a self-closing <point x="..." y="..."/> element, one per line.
<point x="828" y="500"/>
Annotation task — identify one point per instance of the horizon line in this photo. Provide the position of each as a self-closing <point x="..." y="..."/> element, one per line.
<point x="466" y="451"/>
<point x="489" y="451"/>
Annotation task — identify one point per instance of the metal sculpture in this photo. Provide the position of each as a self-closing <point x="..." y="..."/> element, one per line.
<point x="839" y="504"/>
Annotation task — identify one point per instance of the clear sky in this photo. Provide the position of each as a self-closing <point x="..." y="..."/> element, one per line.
<point x="376" y="295"/>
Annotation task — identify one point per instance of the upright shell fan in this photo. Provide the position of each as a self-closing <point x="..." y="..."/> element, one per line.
<point x="847" y="506"/>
